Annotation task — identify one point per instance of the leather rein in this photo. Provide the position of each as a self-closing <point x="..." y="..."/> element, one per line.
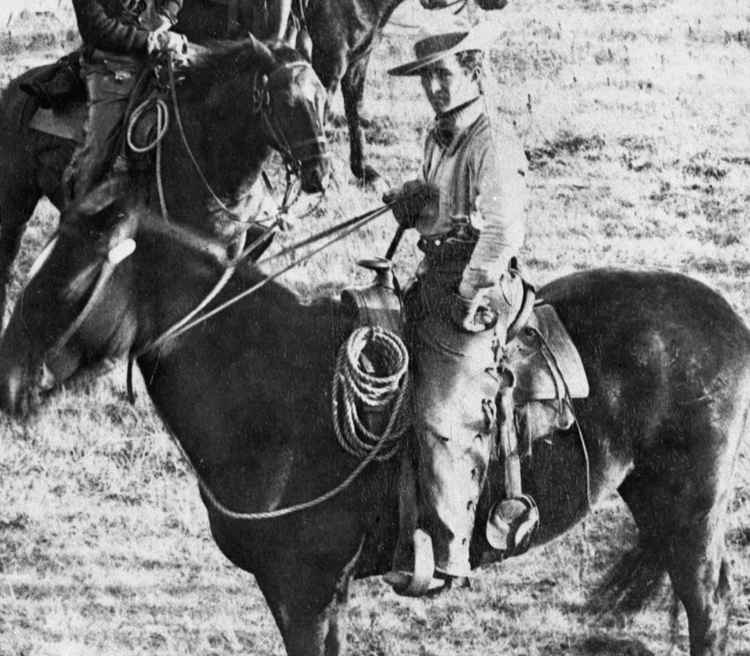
<point x="261" y="107"/>
<point x="215" y="250"/>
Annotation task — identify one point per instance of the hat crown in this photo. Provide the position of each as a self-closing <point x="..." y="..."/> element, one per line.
<point x="436" y="46"/>
<point x="438" y="43"/>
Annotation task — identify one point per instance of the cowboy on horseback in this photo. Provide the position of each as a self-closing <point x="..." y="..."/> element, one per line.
<point x="468" y="207"/>
<point x="118" y="36"/>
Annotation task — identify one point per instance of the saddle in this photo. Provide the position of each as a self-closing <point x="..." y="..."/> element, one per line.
<point x="55" y="99"/>
<point x="56" y="85"/>
<point x="541" y="372"/>
<point x="377" y="304"/>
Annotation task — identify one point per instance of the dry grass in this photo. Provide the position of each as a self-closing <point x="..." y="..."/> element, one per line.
<point x="635" y="116"/>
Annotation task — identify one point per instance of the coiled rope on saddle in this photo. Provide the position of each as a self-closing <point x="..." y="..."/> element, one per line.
<point x="357" y="391"/>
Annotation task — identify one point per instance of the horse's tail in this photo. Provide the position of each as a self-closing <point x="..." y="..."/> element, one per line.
<point x="634" y="581"/>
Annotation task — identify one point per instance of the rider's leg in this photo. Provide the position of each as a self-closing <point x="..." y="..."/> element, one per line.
<point x="108" y="90"/>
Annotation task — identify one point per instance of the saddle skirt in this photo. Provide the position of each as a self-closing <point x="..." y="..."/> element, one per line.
<point x="544" y="361"/>
<point x="66" y="123"/>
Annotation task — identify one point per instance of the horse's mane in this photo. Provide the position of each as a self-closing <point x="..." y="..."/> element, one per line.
<point x="231" y="60"/>
<point x="323" y="304"/>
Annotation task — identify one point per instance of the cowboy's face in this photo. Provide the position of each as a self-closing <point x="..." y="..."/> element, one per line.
<point x="447" y="84"/>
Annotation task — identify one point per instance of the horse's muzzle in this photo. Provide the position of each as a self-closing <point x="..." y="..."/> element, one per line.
<point x="314" y="179"/>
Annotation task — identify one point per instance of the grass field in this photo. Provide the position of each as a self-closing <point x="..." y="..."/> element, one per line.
<point x="636" y="118"/>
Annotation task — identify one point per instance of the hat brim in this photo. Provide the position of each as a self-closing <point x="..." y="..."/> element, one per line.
<point x="416" y="66"/>
<point x="480" y="37"/>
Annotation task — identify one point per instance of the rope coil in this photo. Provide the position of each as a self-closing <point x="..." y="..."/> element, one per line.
<point x="356" y="392"/>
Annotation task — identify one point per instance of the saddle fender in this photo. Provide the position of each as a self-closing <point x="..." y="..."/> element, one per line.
<point x="544" y="361"/>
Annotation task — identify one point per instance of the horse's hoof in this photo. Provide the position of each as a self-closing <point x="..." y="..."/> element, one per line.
<point x="369" y="177"/>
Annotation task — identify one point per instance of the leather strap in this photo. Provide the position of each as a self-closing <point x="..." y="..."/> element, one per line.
<point x="527" y="307"/>
<point x="509" y="444"/>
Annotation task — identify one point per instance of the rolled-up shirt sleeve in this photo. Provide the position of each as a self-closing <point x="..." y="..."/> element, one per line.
<point x="99" y="30"/>
<point x="499" y="181"/>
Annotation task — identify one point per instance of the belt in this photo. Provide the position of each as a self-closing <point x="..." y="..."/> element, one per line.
<point x="114" y="60"/>
<point x="446" y="246"/>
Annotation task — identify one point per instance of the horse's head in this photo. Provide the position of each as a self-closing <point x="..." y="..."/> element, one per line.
<point x="92" y="285"/>
<point x="291" y="102"/>
<point x="69" y="314"/>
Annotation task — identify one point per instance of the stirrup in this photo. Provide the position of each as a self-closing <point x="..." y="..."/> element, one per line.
<point x="511" y="525"/>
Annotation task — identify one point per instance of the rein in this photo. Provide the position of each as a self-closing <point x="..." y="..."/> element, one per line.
<point x="365" y="388"/>
<point x="110" y="261"/>
<point x="261" y="107"/>
<point x="345" y="228"/>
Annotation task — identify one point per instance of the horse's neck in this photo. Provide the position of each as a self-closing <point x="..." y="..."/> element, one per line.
<point x="246" y="394"/>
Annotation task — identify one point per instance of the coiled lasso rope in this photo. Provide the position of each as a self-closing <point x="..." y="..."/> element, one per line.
<point x="355" y="390"/>
<point x="162" y="125"/>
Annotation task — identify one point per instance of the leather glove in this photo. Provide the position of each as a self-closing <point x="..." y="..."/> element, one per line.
<point x="164" y="23"/>
<point x="411" y="201"/>
<point x="168" y="42"/>
<point x="473" y="313"/>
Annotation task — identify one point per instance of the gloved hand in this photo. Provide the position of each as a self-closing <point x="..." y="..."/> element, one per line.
<point x="471" y="310"/>
<point x="164" y="23"/>
<point x="415" y="199"/>
<point x="169" y="42"/>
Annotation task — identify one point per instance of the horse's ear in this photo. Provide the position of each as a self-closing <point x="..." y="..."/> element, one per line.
<point x="263" y="52"/>
<point x="100" y="197"/>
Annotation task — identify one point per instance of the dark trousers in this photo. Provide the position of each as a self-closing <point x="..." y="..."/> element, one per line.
<point x="110" y="80"/>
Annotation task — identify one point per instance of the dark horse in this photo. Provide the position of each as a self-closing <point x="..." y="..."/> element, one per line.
<point x="246" y="395"/>
<point x="237" y="101"/>
<point x="344" y="33"/>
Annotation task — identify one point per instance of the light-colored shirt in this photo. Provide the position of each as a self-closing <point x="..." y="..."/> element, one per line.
<point x="481" y="178"/>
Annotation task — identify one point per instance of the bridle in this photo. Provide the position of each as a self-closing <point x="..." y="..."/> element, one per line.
<point x="262" y="107"/>
<point x="109" y="260"/>
<point x="214" y="249"/>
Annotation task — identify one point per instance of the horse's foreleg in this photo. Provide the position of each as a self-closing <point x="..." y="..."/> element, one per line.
<point x="309" y="607"/>
<point x="352" y="89"/>
<point x="17" y="202"/>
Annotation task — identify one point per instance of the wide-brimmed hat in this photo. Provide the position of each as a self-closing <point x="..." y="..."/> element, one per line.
<point x="432" y="48"/>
